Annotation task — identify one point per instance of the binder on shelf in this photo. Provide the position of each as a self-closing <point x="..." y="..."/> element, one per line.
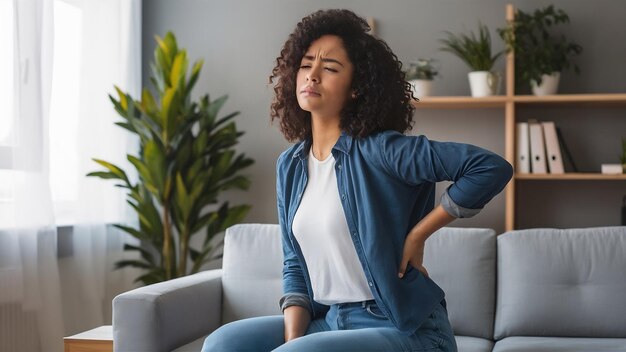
<point x="553" y="152"/>
<point x="537" y="149"/>
<point x="522" y="157"/>
<point x="565" y="149"/>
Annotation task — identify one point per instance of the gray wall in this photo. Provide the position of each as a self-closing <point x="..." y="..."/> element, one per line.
<point x="239" y="41"/>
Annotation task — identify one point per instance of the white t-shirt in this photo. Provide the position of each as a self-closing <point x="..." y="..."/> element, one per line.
<point x="322" y="232"/>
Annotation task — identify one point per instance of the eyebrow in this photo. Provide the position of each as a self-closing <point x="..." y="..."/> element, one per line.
<point x="311" y="58"/>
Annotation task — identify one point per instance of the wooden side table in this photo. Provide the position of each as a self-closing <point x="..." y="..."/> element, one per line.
<point x="99" y="339"/>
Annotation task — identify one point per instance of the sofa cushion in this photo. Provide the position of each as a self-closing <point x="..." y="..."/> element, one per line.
<point x="473" y="344"/>
<point x="567" y="283"/>
<point x="462" y="261"/>
<point x="558" y="344"/>
<point x="252" y="271"/>
<point x="193" y="346"/>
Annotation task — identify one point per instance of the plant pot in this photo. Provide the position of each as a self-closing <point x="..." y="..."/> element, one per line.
<point x="484" y="83"/>
<point x="549" y="84"/>
<point x="421" y="87"/>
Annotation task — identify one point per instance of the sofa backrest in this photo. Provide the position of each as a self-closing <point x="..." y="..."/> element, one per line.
<point x="252" y="271"/>
<point x="462" y="261"/>
<point x="555" y="282"/>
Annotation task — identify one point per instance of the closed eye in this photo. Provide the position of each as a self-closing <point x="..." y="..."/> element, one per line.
<point x="327" y="68"/>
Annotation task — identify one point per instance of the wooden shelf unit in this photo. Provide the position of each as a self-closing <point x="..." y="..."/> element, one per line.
<point x="509" y="102"/>
<point x="575" y="176"/>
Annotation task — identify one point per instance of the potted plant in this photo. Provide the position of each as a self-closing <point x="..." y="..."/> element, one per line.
<point x="476" y="53"/>
<point x="540" y="55"/>
<point x="186" y="159"/>
<point x="420" y="75"/>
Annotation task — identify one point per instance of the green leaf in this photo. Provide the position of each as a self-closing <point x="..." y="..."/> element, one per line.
<point x="195" y="72"/>
<point x="170" y="41"/>
<point x="212" y="110"/>
<point x="235" y="215"/>
<point x="179" y="68"/>
<point x="239" y="182"/>
<point x="114" y="169"/>
<point x="167" y="110"/>
<point x="154" y="276"/>
<point x="182" y="197"/>
<point x="225" y="119"/>
<point x="132" y="263"/>
<point x="142" y="169"/>
<point x="123" y="99"/>
<point x="155" y="162"/>
<point x="146" y="255"/>
<point x="204" y="221"/>
<point x="148" y="105"/>
<point x="103" y="174"/>
<point x="131" y="231"/>
<point x="164" y="52"/>
<point x="126" y="126"/>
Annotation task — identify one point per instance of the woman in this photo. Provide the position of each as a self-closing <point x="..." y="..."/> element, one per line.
<point x="356" y="200"/>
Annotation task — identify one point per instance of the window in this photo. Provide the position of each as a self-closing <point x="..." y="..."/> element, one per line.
<point x="64" y="107"/>
<point x="6" y="107"/>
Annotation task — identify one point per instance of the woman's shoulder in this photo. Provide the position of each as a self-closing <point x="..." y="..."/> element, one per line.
<point x="392" y="139"/>
<point x="289" y="154"/>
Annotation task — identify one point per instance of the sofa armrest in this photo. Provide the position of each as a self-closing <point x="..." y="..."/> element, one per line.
<point x="166" y="315"/>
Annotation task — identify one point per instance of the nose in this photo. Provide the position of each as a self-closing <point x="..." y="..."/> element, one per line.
<point x="313" y="74"/>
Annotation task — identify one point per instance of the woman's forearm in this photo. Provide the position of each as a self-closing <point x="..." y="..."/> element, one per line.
<point x="432" y="222"/>
<point x="297" y="320"/>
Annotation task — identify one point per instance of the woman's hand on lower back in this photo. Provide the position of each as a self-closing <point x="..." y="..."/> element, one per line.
<point x="413" y="252"/>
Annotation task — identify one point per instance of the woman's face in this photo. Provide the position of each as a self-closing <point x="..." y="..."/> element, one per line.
<point x="324" y="78"/>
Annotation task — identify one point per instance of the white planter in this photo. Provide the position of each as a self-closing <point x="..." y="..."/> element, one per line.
<point x="484" y="83"/>
<point x="549" y="84"/>
<point x="421" y="87"/>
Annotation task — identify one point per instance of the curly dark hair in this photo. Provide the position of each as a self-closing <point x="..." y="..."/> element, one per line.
<point x="383" y="96"/>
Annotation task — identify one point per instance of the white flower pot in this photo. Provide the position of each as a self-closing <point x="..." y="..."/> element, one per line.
<point x="484" y="83"/>
<point x="549" y="84"/>
<point x="421" y="87"/>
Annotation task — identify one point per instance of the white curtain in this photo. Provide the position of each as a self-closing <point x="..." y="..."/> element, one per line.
<point x="57" y="245"/>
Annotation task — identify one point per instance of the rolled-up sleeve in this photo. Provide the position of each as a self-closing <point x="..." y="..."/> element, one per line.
<point x="478" y="174"/>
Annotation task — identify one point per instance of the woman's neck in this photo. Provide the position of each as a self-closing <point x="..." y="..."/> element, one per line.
<point x="325" y="133"/>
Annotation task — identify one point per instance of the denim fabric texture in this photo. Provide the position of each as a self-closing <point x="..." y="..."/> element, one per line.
<point x="386" y="183"/>
<point x="359" y="326"/>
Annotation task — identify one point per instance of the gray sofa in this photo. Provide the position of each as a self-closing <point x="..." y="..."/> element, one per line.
<point x="526" y="290"/>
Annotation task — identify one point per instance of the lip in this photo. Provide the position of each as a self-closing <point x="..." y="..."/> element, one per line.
<point x="309" y="91"/>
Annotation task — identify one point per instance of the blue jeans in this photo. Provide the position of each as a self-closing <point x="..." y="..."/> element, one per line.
<point x="359" y="326"/>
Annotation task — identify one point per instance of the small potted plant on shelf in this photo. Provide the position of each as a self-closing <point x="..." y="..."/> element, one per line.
<point x="540" y="55"/>
<point x="420" y="75"/>
<point x="476" y="53"/>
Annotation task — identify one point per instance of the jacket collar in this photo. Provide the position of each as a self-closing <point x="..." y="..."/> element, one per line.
<point x="343" y="144"/>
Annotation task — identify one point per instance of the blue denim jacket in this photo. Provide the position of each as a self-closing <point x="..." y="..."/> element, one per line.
<point x="386" y="183"/>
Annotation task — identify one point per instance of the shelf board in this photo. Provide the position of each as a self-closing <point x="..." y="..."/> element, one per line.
<point x="572" y="99"/>
<point x="570" y="176"/>
<point x="460" y="102"/>
<point x="465" y="102"/>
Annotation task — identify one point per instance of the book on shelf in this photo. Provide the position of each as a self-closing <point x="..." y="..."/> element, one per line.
<point x="567" y="156"/>
<point x="537" y="148"/>
<point x="522" y="148"/>
<point x="553" y="151"/>
<point x="541" y="149"/>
